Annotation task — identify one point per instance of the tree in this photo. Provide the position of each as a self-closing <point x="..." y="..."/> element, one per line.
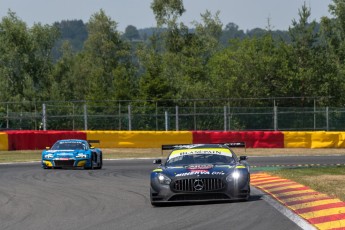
<point x="26" y="59"/>
<point x="314" y="73"/>
<point x="131" y="33"/>
<point x="106" y="60"/>
<point x="167" y="11"/>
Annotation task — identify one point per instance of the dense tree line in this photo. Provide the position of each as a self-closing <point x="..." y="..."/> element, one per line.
<point x="95" y="62"/>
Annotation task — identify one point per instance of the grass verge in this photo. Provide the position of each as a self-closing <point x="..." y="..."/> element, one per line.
<point x="327" y="180"/>
<point x="35" y="155"/>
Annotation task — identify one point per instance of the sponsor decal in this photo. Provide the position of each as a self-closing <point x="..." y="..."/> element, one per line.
<point x="199" y="167"/>
<point x="185" y="152"/>
<point x="200" y="172"/>
<point x="193" y="173"/>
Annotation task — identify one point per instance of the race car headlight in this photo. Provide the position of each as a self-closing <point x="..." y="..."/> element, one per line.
<point x="81" y="156"/>
<point x="48" y="156"/>
<point x="163" y="179"/>
<point x="233" y="176"/>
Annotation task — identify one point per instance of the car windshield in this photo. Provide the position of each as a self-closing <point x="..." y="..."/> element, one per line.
<point x="69" y="146"/>
<point x="187" y="157"/>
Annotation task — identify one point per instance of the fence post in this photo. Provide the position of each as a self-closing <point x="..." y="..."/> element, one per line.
<point x="85" y="117"/>
<point x="327" y="119"/>
<point x="129" y="118"/>
<point x="119" y="116"/>
<point x="73" y="116"/>
<point x="275" y="117"/>
<point x="194" y="115"/>
<point x="44" y="117"/>
<point x="166" y="120"/>
<point x="177" y="125"/>
<point x="314" y="115"/>
<point x="7" y="117"/>
<point x="229" y="117"/>
<point x="225" y="118"/>
<point x="156" y="116"/>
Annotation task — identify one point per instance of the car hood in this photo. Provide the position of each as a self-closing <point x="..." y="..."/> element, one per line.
<point x="195" y="170"/>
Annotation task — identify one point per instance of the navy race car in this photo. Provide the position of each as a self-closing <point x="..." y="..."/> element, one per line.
<point x="72" y="153"/>
<point x="200" y="172"/>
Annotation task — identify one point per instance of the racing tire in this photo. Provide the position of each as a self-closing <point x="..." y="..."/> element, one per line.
<point x="247" y="198"/>
<point x="92" y="167"/>
<point x="100" y="164"/>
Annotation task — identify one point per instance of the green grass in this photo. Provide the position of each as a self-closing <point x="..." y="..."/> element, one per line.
<point x="35" y="155"/>
<point x="328" y="180"/>
<point x="19" y="156"/>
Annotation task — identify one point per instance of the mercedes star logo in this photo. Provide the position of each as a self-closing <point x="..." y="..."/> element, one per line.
<point x="198" y="185"/>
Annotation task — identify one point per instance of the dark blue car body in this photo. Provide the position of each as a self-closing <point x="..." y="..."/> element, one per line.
<point x="203" y="172"/>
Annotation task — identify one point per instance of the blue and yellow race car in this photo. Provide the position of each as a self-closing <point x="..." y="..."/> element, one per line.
<point x="72" y="153"/>
<point x="200" y="172"/>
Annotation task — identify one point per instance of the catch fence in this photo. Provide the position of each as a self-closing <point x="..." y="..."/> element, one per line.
<point x="171" y="115"/>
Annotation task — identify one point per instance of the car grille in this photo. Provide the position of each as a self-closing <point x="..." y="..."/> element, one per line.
<point x="64" y="163"/>
<point x="199" y="197"/>
<point x="198" y="185"/>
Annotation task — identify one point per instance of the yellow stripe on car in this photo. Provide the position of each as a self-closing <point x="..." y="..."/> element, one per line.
<point x="240" y="167"/>
<point x="157" y="170"/>
<point x="81" y="163"/>
<point x="48" y="163"/>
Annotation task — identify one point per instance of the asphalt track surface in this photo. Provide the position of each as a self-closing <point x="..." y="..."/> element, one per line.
<point x="117" y="197"/>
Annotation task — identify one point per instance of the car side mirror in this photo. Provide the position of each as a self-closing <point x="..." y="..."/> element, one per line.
<point x="157" y="161"/>
<point x="243" y="158"/>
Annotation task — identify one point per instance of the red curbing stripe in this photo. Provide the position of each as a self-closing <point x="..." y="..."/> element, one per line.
<point x="320" y="207"/>
<point x="281" y="185"/>
<point x="323" y="219"/>
<point x="306" y="200"/>
<point x="264" y="179"/>
<point x="290" y="190"/>
<point x="270" y="182"/>
<point x="297" y="195"/>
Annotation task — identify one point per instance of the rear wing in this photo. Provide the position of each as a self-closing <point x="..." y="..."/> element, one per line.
<point x="229" y="144"/>
<point x="171" y="147"/>
<point x="92" y="141"/>
<point x="236" y="145"/>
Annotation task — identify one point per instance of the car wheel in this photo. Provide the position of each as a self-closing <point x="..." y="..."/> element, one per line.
<point x="91" y="167"/>
<point x="101" y="161"/>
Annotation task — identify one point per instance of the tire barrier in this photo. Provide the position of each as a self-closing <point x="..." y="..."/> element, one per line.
<point x="3" y="141"/>
<point x="138" y="139"/>
<point x="32" y="140"/>
<point x="318" y="139"/>
<point x="253" y="139"/>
